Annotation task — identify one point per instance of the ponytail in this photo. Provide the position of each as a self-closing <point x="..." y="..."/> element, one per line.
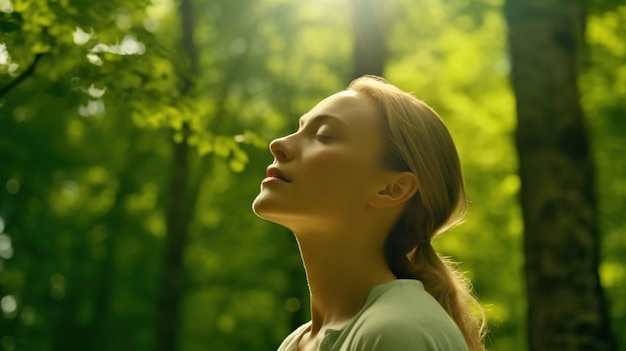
<point x="452" y="290"/>
<point x="410" y="255"/>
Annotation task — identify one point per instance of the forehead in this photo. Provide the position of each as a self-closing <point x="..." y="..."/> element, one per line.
<point x="351" y="107"/>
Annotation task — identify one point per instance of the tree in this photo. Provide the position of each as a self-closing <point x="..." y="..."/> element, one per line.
<point x="181" y="203"/>
<point x="566" y="305"/>
<point x="369" y="49"/>
<point x="87" y="141"/>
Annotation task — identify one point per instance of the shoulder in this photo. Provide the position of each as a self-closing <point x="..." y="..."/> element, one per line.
<point x="403" y="316"/>
<point x="291" y="341"/>
<point x="391" y="334"/>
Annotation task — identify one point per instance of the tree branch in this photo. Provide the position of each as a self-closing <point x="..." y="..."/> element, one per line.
<point x="27" y="73"/>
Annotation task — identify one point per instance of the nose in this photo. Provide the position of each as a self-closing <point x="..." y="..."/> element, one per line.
<point x="281" y="149"/>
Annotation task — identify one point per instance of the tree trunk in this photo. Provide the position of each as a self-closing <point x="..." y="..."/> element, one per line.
<point x="370" y="51"/>
<point x="567" y="308"/>
<point x="100" y="327"/>
<point x="168" y="306"/>
<point x="181" y="207"/>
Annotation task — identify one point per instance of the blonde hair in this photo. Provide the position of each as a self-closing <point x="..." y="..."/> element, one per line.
<point x="418" y="141"/>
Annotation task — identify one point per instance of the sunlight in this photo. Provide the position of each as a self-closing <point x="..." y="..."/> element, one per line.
<point x="8" y="304"/>
<point x="129" y="46"/>
<point x="155" y="12"/>
<point x="130" y="172"/>
<point x="123" y="20"/>
<point x="81" y="37"/>
<point x="95" y="92"/>
<point x="6" y="249"/>
<point x="4" y="54"/>
<point x="92" y="108"/>
<point x="94" y="59"/>
<point x="6" y="6"/>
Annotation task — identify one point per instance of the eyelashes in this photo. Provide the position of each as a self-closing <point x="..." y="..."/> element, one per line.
<point x="320" y="133"/>
<point x="323" y="137"/>
<point x="323" y="134"/>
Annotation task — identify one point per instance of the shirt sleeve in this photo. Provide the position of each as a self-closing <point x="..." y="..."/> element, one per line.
<point x="395" y="338"/>
<point x="394" y="335"/>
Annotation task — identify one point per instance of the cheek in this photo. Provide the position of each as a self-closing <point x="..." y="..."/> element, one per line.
<point x="344" y="173"/>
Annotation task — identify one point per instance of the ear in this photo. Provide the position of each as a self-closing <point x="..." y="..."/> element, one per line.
<point x="401" y="186"/>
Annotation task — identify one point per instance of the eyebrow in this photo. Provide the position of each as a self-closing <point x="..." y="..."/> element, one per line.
<point x="322" y="119"/>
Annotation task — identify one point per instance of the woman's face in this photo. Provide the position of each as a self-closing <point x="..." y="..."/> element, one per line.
<point x="329" y="169"/>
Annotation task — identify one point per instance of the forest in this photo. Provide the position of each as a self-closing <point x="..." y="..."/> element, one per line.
<point x="134" y="135"/>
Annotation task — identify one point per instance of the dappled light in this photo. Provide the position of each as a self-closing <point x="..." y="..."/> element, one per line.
<point x="4" y="55"/>
<point x="134" y="136"/>
<point x="92" y="108"/>
<point x="8" y="304"/>
<point x="6" y="249"/>
<point x="6" y="6"/>
<point x="129" y="46"/>
<point x="13" y="186"/>
<point x="81" y="37"/>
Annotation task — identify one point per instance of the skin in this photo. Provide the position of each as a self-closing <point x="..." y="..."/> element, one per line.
<point x="340" y="202"/>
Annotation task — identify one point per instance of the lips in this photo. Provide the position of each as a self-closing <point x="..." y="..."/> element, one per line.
<point x="274" y="172"/>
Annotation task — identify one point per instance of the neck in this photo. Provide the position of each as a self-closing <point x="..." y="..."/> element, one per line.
<point x="340" y="276"/>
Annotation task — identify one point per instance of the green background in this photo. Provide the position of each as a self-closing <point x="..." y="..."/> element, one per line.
<point x="86" y="146"/>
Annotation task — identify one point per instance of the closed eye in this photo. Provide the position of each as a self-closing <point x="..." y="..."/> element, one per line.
<point x="323" y="137"/>
<point x="323" y="134"/>
<point x="318" y="127"/>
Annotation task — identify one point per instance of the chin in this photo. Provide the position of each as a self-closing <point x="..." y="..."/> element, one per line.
<point x="265" y="209"/>
<point x="258" y="209"/>
<point x="271" y="212"/>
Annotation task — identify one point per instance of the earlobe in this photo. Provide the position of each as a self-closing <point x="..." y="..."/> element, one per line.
<point x="399" y="189"/>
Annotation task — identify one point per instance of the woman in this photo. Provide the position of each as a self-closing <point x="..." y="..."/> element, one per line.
<point x="369" y="178"/>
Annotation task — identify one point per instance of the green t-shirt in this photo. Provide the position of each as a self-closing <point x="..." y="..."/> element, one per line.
<point x="397" y="316"/>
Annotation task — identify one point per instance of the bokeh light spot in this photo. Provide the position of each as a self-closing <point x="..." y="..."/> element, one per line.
<point x="7" y="343"/>
<point x="6" y="249"/>
<point x="292" y="304"/>
<point x="8" y="304"/>
<point x="13" y="186"/>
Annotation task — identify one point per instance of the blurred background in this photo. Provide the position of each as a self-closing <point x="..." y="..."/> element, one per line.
<point x="133" y="138"/>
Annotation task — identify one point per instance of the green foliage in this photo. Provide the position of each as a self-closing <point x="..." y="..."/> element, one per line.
<point x="85" y="159"/>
